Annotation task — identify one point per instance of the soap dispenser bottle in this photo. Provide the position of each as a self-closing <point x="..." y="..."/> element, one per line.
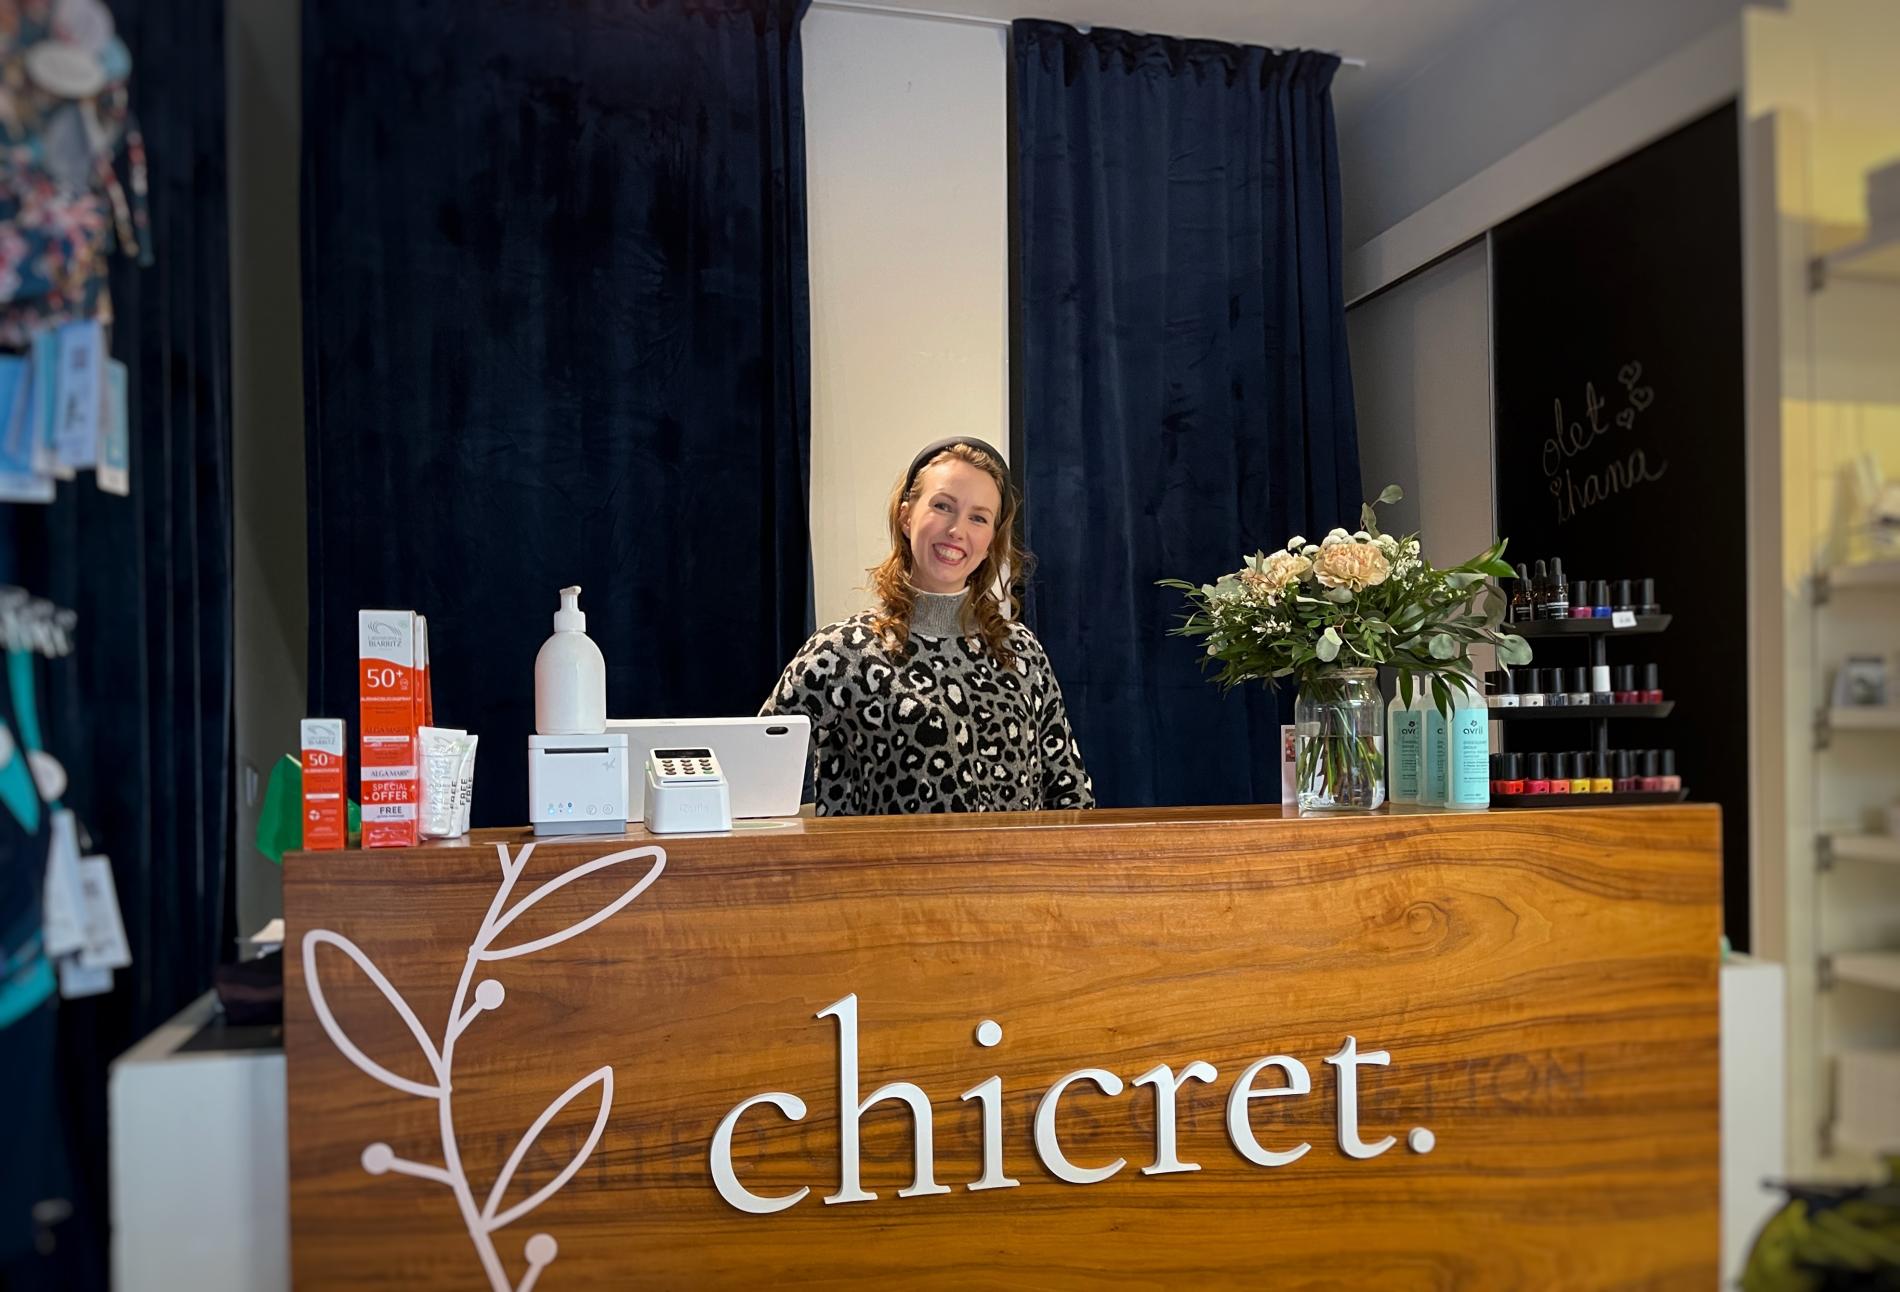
<point x="570" y="676"/>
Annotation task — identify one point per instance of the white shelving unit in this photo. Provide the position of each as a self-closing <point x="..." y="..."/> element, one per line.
<point x="1823" y="336"/>
<point x="1884" y="848"/>
<point x="1870" y="575"/>
<point x="1853" y="590"/>
<point x="1874" y="259"/>
<point x="1867" y="968"/>
<point x="1883" y="718"/>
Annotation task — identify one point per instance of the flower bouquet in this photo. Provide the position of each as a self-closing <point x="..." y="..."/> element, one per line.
<point x="1327" y="615"/>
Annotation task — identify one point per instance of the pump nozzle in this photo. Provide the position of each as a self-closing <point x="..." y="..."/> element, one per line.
<point x="570" y="618"/>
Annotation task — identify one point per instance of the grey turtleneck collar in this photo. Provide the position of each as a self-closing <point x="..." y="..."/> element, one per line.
<point x="939" y="614"/>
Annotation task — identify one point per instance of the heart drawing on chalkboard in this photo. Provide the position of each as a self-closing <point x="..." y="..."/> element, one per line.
<point x="1626" y="419"/>
<point x="1641" y="397"/>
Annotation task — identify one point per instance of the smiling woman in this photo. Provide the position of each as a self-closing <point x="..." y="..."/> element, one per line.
<point x="938" y="700"/>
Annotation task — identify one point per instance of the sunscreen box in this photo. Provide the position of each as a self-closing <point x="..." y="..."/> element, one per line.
<point x="325" y="823"/>
<point x="388" y="697"/>
<point x="424" y="699"/>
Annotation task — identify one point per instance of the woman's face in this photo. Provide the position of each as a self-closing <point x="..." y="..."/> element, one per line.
<point x="950" y="524"/>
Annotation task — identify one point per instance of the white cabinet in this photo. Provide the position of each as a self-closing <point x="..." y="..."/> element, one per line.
<point x="200" y="1166"/>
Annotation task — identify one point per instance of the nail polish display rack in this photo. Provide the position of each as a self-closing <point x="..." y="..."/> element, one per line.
<point x="1598" y="633"/>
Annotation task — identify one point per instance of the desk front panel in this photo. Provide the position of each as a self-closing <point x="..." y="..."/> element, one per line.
<point x="1544" y="986"/>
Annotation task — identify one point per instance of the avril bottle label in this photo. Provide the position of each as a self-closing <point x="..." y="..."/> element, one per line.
<point x="1431" y="788"/>
<point x="1471" y="756"/>
<point x="1407" y="739"/>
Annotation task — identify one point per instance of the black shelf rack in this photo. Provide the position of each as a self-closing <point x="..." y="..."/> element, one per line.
<point x="1598" y="633"/>
<point x="1573" y="712"/>
<point x="1632" y="799"/>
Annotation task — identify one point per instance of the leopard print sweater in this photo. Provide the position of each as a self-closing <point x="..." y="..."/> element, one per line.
<point x="939" y="728"/>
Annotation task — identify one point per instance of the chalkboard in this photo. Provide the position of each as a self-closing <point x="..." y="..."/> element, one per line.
<point x="1618" y="348"/>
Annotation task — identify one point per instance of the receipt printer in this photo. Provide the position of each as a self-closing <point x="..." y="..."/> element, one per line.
<point x="578" y="784"/>
<point x="686" y="792"/>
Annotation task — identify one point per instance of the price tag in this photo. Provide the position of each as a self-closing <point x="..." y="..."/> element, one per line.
<point x="1623" y="619"/>
<point x="106" y="947"/>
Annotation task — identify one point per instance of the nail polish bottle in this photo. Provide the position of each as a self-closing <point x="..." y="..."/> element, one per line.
<point x="1551" y="682"/>
<point x="1646" y="598"/>
<point x="1624" y="600"/>
<point x="1651" y="781"/>
<point x="1513" y="774"/>
<point x="1579" y="693"/>
<point x="1498" y="689"/>
<point x="1600" y="691"/>
<point x="1601" y="782"/>
<point x="1521" y="595"/>
<point x="1626" y="780"/>
<point x="1560" y="774"/>
<point x="1670" y="781"/>
<point x="1540" y="590"/>
<point x="1625" y="692"/>
<point x="1580" y="773"/>
<point x="1538" y="781"/>
<point x="1600" y="600"/>
<point x="1557" y="600"/>
<point x="1652" y="686"/>
<point x="1528" y="685"/>
<point x="1580" y="607"/>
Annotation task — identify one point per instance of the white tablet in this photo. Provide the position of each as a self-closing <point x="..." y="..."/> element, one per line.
<point x="763" y="758"/>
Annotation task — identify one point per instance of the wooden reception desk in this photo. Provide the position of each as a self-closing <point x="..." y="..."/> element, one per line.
<point x="1200" y="1047"/>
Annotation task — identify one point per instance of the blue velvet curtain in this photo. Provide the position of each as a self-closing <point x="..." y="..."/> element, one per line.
<point x="1183" y="390"/>
<point x="555" y="328"/>
<point x="140" y="713"/>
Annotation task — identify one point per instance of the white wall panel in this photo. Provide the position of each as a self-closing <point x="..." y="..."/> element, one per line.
<point x="906" y="163"/>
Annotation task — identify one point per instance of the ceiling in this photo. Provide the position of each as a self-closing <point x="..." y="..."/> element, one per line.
<point x="1397" y="38"/>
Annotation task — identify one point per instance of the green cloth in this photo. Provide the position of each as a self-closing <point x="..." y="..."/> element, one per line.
<point x="280" y="824"/>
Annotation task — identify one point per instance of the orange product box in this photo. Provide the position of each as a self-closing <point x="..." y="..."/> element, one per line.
<point x="325" y="823"/>
<point x="387" y="642"/>
<point x="425" y="699"/>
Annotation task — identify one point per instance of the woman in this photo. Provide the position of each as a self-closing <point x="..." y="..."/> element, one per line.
<point x="936" y="701"/>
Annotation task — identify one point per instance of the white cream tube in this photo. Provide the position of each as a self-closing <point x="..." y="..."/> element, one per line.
<point x="465" y="783"/>
<point x="441" y="751"/>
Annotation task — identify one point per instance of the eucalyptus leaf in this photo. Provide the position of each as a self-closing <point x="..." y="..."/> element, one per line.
<point x="1442" y="646"/>
<point x="1513" y="651"/>
<point x="1327" y="648"/>
<point x="1390" y="494"/>
<point x="1339" y="596"/>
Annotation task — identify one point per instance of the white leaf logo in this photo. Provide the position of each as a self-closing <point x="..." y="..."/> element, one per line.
<point x="319" y="937"/>
<point x="602" y="1077"/>
<point x="562" y="881"/>
<point x="487" y="994"/>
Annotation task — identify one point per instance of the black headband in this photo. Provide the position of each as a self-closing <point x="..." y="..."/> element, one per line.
<point x="930" y="451"/>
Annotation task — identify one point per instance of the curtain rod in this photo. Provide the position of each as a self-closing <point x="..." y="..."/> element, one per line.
<point x="970" y="19"/>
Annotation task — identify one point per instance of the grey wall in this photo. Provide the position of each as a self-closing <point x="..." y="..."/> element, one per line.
<point x="1421" y="375"/>
<point x="267" y="419"/>
<point x="1522" y="68"/>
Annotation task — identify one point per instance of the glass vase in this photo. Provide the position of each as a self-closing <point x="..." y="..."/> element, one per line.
<point x="1339" y="730"/>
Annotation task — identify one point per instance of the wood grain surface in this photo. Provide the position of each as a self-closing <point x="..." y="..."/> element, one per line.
<point x="1544" y="983"/>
